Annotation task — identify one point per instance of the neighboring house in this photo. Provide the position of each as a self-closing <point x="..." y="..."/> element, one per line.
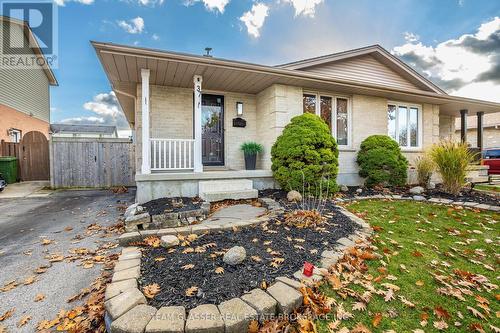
<point x="491" y="130"/>
<point x="83" y="131"/>
<point x="24" y="93"/>
<point x="182" y="108"/>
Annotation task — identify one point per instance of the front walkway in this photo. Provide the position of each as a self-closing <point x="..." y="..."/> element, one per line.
<point x="26" y="189"/>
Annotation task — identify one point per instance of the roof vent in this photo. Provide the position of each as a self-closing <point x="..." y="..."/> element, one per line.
<point x="208" y="50"/>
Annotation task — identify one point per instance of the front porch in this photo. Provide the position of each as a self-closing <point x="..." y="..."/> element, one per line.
<point x="187" y="183"/>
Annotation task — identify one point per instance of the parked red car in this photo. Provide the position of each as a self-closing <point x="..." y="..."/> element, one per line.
<point x="491" y="157"/>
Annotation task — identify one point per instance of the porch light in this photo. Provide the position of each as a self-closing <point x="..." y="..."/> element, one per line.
<point x="239" y="109"/>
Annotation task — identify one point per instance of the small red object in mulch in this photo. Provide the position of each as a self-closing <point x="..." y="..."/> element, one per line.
<point x="308" y="269"/>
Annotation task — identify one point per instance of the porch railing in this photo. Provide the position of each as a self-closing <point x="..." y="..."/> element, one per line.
<point x="172" y="154"/>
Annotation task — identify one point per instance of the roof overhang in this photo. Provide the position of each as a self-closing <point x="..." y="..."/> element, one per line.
<point x="35" y="47"/>
<point x="123" y="64"/>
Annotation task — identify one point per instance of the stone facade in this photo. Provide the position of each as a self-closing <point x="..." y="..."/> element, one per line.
<point x="268" y="112"/>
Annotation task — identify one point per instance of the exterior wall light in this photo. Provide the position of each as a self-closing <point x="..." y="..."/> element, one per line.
<point x="239" y="109"/>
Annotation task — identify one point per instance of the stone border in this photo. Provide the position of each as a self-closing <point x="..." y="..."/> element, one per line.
<point x="138" y="235"/>
<point x="127" y="310"/>
<point x="439" y="201"/>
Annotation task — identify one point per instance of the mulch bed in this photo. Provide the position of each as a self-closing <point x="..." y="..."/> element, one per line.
<point x="467" y="195"/>
<point x="293" y="244"/>
<point x="172" y="205"/>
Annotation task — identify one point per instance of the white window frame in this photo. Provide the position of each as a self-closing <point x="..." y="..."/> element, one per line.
<point x="334" y="97"/>
<point x="419" y="124"/>
<point x="15" y="134"/>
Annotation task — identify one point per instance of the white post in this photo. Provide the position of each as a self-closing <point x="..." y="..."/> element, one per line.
<point x="146" y="145"/>
<point x="198" y="166"/>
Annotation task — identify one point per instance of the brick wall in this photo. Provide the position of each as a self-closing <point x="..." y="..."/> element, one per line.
<point x="14" y="119"/>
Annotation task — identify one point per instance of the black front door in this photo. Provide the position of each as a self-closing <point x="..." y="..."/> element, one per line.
<point x="212" y="129"/>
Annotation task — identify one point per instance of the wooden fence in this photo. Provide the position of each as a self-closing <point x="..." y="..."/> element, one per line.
<point x="96" y="162"/>
<point x="9" y="149"/>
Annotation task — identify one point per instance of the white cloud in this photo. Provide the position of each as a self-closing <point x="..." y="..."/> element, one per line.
<point x="150" y="3"/>
<point x="133" y="26"/>
<point x="305" y="7"/>
<point x="155" y="37"/>
<point x="104" y="109"/>
<point x="467" y="66"/>
<point x="254" y="18"/>
<point x="63" y="2"/>
<point x="411" y="37"/>
<point x="211" y="5"/>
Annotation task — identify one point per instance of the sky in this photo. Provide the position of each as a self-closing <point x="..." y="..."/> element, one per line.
<point x="455" y="43"/>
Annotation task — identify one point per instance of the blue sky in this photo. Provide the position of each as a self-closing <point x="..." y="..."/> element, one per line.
<point x="273" y="32"/>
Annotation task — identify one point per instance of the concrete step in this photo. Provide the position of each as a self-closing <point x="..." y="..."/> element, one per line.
<point x="224" y="185"/>
<point x="235" y="195"/>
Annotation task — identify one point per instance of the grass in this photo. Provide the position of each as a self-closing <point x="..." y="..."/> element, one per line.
<point x="452" y="238"/>
<point x="489" y="188"/>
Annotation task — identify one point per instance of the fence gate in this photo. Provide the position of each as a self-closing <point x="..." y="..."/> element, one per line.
<point x="91" y="162"/>
<point x="34" y="157"/>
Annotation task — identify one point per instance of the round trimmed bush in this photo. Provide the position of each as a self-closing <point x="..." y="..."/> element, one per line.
<point x="305" y="156"/>
<point x="381" y="162"/>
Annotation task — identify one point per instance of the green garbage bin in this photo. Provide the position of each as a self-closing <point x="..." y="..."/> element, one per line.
<point x="8" y="168"/>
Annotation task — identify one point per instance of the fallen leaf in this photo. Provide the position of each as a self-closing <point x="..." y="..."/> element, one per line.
<point x="150" y="291"/>
<point x="475" y="312"/>
<point x="159" y="258"/>
<point x="191" y="291"/>
<point x="376" y="319"/>
<point x="188" y="266"/>
<point x="7" y="314"/>
<point x="219" y="270"/>
<point x="39" y="297"/>
<point x="440" y="325"/>
<point x="23" y="321"/>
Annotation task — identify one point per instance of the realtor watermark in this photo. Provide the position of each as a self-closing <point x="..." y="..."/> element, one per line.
<point x="23" y="48"/>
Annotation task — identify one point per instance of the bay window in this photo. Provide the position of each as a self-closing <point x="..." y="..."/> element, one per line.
<point x="404" y="124"/>
<point x="334" y="110"/>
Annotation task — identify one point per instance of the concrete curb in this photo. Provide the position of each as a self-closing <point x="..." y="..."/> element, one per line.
<point x="126" y="311"/>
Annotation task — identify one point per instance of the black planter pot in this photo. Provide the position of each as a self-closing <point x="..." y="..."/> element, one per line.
<point x="250" y="160"/>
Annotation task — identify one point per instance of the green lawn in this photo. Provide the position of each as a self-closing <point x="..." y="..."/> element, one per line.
<point x="417" y="241"/>
<point x="485" y="187"/>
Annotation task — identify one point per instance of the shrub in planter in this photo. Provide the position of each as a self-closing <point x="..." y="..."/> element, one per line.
<point x="250" y="150"/>
<point x="452" y="159"/>
<point x="381" y="162"/>
<point x="305" y="156"/>
<point x="425" y="168"/>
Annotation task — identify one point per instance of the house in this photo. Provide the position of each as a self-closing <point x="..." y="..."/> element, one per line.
<point x="83" y="131"/>
<point x="24" y="92"/>
<point x="491" y="131"/>
<point x="182" y="107"/>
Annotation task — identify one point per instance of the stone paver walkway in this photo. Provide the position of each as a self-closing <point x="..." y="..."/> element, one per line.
<point x="233" y="214"/>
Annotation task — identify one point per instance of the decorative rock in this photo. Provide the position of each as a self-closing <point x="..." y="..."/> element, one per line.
<point x="264" y="304"/>
<point x="307" y="279"/>
<point x="130" y="211"/>
<point x="359" y="191"/>
<point x="344" y="188"/>
<point x="431" y="185"/>
<point x="327" y="262"/>
<point x="169" y="319"/>
<point x="294" y="196"/>
<point x="205" y="318"/>
<point x="134" y="321"/>
<point x="419" y="198"/>
<point x="237" y="315"/>
<point x="287" y="297"/>
<point x="417" y="190"/>
<point x="169" y="241"/>
<point x="125" y="264"/>
<point x="128" y="238"/>
<point x="126" y="274"/>
<point x="125" y="301"/>
<point x="140" y="221"/>
<point x="235" y="255"/>
<point x="116" y="288"/>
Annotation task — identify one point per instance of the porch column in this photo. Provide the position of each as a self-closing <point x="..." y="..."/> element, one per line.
<point x="146" y="146"/>
<point x="198" y="166"/>
<point x="480" y="130"/>
<point x="463" y="125"/>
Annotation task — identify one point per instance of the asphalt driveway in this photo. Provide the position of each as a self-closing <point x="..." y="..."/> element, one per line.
<point x="62" y="218"/>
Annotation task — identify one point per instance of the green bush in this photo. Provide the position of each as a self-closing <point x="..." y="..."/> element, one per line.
<point x="425" y="167"/>
<point x="452" y="159"/>
<point x="305" y="156"/>
<point x="251" y="148"/>
<point x="381" y="162"/>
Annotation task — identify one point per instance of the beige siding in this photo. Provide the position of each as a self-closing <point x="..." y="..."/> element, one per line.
<point x="365" y="69"/>
<point x="25" y="90"/>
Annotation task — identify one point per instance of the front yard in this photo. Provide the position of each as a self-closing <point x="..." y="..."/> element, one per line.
<point x="434" y="268"/>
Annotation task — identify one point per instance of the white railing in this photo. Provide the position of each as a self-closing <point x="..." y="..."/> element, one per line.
<point x="172" y="154"/>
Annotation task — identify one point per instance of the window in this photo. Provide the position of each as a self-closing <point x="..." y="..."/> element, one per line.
<point x="404" y="124"/>
<point x="334" y="110"/>
<point x="15" y="135"/>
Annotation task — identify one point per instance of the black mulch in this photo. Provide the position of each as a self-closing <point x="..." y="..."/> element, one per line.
<point x="294" y="245"/>
<point x="178" y="204"/>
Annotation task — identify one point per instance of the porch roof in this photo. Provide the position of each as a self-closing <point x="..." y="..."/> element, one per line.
<point x="123" y="65"/>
